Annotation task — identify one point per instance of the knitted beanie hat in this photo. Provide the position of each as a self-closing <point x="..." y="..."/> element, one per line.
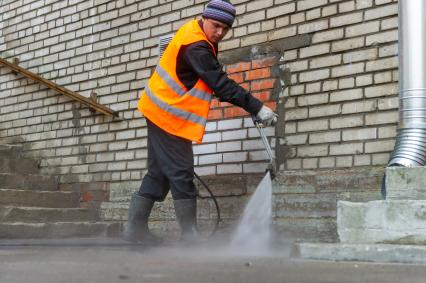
<point x="220" y="10"/>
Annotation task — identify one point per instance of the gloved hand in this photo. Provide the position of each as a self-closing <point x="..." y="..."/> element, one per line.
<point x="267" y="116"/>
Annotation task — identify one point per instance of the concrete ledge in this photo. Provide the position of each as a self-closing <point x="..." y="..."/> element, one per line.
<point x="306" y="229"/>
<point x="46" y="215"/>
<point x="390" y="221"/>
<point x="406" y="183"/>
<point x="28" y="182"/>
<point x="123" y="191"/>
<point x="361" y="252"/>
<point x="19" y="165"/>
<point x="329" y="181"/>
<point x="21" y="230"/>
<point x="230" y="207"/>
<point x="10" y="151"/>
<point x="39" y="198"/>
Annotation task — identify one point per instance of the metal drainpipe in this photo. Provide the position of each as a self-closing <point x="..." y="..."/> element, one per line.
<point x="410" y="146"/>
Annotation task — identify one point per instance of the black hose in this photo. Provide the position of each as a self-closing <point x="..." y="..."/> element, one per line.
<point x="212" y="196"/>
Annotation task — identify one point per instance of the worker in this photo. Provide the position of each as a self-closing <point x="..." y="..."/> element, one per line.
<point x="175" y="103"/>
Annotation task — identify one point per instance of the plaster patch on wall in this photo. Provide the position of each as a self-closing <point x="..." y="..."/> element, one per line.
<point x="79" y="131"/>
<point x="270" y="48"/>
<point x="282" y="150"/>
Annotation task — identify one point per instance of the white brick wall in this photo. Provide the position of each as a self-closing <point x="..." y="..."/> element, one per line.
<point x="341" y="109"/>
<point x="358" y="49"/>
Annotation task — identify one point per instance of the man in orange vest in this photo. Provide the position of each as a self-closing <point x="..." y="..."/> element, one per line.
<point x="176" y="103"/>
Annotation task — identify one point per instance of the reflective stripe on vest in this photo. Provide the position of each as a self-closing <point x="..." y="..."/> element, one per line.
<point x="169" y="80"/>
<point x="176" y="88"/>
<point x="166" y="102"/>
<point x="173" y="110"/>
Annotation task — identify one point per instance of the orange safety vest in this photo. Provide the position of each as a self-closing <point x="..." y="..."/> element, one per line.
<point x="166" y="102"/>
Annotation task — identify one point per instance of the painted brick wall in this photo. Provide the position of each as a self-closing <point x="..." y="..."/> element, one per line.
<point x="338" y="107"/>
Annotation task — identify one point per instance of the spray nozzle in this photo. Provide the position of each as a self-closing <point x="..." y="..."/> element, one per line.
<point x="272" y="170"/>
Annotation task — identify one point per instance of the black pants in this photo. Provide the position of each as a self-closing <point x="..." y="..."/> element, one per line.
<point x="170" y="166"/>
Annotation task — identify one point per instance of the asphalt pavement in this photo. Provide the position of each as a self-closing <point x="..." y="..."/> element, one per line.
<point x="107" y="261"/>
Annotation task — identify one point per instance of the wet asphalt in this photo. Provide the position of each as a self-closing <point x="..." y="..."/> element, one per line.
<point x="115" y="261"/>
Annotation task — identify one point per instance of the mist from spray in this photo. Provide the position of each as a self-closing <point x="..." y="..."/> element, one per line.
<point x="253" y="233"/>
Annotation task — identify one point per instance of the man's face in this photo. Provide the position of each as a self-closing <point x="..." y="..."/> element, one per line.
<point x="215" y="30"/>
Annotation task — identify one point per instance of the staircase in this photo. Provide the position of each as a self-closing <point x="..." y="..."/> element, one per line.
<point x="391" y="230"/>
<point x="32" y="207"/>
<point x="305" y="202"/>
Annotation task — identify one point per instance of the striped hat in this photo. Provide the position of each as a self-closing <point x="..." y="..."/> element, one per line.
<point x="220" y="10"/>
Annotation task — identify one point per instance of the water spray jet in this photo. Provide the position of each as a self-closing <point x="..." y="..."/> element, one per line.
<point x="253" y="234"/>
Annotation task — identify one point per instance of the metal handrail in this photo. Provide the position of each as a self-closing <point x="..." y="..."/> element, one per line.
<point x="84" y="100"/>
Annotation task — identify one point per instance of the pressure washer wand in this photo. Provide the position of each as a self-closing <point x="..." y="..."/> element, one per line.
<point x="271" y="166"/>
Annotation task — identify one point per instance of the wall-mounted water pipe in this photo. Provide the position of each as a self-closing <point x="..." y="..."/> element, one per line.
<point x="410" y="147"/>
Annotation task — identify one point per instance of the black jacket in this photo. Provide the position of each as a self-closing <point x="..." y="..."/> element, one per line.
<point x="197" y="60"/>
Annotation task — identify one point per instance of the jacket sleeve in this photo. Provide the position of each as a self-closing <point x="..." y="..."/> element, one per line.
<point x="201" y="58"/>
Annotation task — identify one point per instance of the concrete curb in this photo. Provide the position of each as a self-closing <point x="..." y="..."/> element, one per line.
<point x="361" y="252"/>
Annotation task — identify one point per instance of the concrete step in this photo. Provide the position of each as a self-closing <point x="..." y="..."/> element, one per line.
<point x="46" y="215"/>
<point x="94" y="241"/>
<point x="386" y="221"/>
<point x="306" y="229"/>
<point x="10" y="151"/>
<point x="305" y="202"/>
<point x="361" y="252"/>
<point x="169" y="229"/>
<point x="116" y="211"/>
<point x="406" y="183"/>
<point x="315" y="205"/>
<point x="21" y="165"/>
<point x="56" y="199"/>
<point x="221" y="186"/>
<point x="28" y="182"/>
<point x="230" y="207"/>
<point x="59" y="230"/>
<point x="329" y="181"/>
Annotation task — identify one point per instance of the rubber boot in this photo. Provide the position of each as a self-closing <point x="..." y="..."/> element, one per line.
<point x="136" y="230"/>
<point x="186" y="215"/>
